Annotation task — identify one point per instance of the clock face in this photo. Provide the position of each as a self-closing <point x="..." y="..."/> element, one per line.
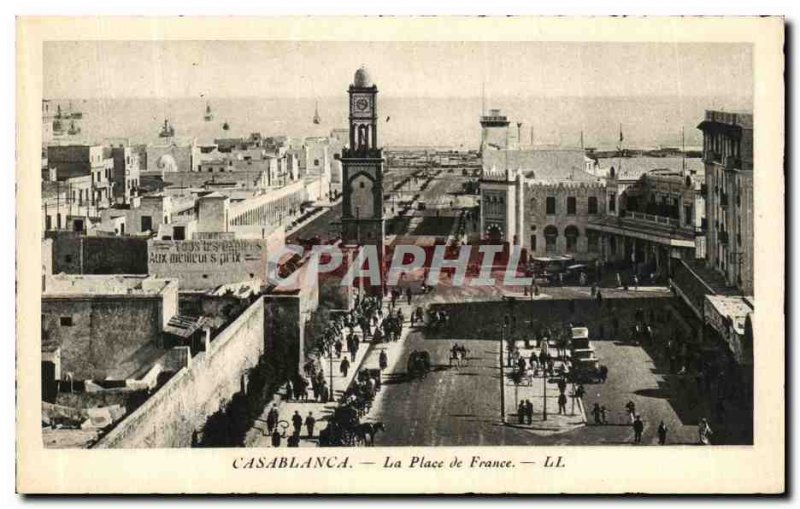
<point x="362" y="103"/>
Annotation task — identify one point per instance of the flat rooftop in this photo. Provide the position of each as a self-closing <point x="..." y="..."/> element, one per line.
<point x="80" y="285"/>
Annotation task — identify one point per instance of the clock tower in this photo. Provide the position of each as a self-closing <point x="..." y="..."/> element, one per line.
<point x="362" y="163"/>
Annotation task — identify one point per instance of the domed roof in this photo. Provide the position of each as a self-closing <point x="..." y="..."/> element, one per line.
<point x="362" y="78"/>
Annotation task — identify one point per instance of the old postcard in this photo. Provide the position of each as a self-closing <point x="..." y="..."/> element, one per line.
<point x="400" y="255"/>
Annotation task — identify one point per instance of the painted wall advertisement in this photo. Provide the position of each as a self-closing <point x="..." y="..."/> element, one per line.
<point x="208" y="263"/>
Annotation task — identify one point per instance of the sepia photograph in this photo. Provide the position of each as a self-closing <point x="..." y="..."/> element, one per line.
<point x="347" y="245"/>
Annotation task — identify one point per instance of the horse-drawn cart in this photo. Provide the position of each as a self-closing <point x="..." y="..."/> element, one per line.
<point x="419" y="364"/>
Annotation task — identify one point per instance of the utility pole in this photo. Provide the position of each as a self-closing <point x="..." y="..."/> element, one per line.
<point x="502" y="377"/>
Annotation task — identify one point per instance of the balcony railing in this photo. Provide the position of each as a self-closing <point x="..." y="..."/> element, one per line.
<point x="651" y="218"/>
<point x="732" y="163"/>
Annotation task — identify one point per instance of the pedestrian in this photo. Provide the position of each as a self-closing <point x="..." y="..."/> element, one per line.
<point x="662" y="433"/>
<point x="704" y="430"/>
<point x="408" y="295"/>
<point x="630" y="406"/>
<point x="297" y="422"/>
<point x="353" y="352"/>
<point x="599" y="298"/>
<point x="638" y="428"/>
<point x="635" y="282"/>
<point x="289" y="390"/>
<point x="310" y="422"/>
<point x="521" y="412"/>
<point x="337" y="346"/>
<point x="619" y="280"/>
<point x="562" y="404"/>
<point x="580" y="392"/>
<point x="302" y="389"/>
<point x="344" y="367"/>
<point x="562" y="385"/>
<point x="272" y="418"/>
<point x="293" y="441"/>
<point x="603" y="414"/>
<point x="596" y="413"/>
<point x="529" y="411"/>
<point x="276" y="438"/>
<point x="383" y="360"/>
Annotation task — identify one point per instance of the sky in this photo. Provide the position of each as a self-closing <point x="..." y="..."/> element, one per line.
<point x="171" y="69"/>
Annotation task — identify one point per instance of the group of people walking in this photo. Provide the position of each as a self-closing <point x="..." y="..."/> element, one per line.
<point x="277" y="434"/>
<point x="638" y="424"/>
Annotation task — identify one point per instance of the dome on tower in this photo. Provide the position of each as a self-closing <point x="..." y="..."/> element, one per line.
<point x="362" y="78"/>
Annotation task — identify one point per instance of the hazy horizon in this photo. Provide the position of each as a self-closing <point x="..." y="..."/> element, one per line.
<point x="403" y="121"/>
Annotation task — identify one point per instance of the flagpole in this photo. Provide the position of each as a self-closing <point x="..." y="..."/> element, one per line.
<point x="683" y="151"/>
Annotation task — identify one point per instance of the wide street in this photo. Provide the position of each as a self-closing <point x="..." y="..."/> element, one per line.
<point x="462" y="406"/>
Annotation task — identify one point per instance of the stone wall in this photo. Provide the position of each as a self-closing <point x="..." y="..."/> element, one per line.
<point x="181" y="407"/>
<point x="78" y="254"/>
<point x="102" y="336"/>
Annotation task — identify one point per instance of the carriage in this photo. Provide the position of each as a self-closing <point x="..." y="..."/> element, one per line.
<point x="341" y="429"/>
<point x="587" y="371"/>
<point x="419" y="364"/>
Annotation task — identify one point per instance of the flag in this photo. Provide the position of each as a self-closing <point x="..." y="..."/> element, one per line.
<point x="621" y="138"/>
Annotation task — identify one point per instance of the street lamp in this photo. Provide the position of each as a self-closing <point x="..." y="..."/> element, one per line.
<point x="330" y="374"/>
<point x="544" y="390"/>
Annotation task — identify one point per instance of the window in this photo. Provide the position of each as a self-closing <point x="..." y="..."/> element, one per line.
<point x="65" y="321"/>
<point x="179" y="233"/>
<point x="592" y="241"/>
<point x="147" y="223"/>
<point x="533" y="242"/>
<point x="550" y="205"/>
<point x="571" y="205"/>
<point x="316" y="162"/>
<point x="612" y="202"/>
<point x="571" y="233"/>
<point x="48" y="222"/>
<point x="550" y="236"/>
<point x="68" y="258"/>
<point x="687" y="214"/>
<point x="592" y="209"/>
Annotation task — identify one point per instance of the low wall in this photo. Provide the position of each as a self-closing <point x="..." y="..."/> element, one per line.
<point x="174" y="412"/>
